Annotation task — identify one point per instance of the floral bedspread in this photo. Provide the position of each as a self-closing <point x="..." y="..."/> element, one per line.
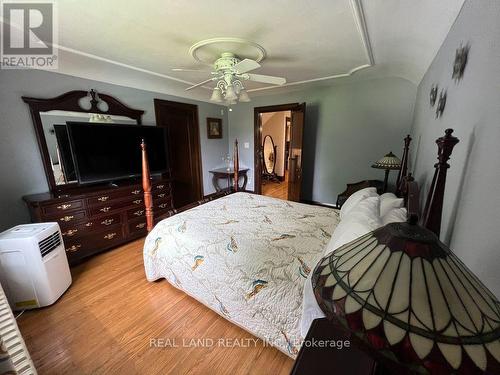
<point x="246" y="257"/>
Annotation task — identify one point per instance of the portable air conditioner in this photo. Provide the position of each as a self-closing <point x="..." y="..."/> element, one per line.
<point x="34" y="270"/>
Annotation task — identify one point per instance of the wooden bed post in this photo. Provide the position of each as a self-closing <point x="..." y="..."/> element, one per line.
<point x="434" y="204"/>
<point x="404" y="166"/>
<point x="146" y="186"/>
<point x="236" y="161"/>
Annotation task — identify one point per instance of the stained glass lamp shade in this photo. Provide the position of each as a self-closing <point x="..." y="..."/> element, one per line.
<point x="404" y="294"/>
<point x="388" y="162"/>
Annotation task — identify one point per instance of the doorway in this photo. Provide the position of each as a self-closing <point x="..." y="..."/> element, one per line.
<point x="278" y="150"/>
<point x="181" y="122"/>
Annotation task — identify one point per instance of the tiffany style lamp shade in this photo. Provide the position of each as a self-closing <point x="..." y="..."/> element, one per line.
<point x="388" y="162"/>
<point x="405" y="295"/>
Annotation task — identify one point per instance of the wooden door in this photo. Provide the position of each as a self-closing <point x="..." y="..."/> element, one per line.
<point x="295" y="158"/>
<point x="181" y="121"/>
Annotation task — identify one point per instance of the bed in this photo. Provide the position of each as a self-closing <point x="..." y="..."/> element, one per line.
<point x="248" y="257"/>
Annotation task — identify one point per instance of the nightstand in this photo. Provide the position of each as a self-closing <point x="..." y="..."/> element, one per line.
<point x="321" y="353"/>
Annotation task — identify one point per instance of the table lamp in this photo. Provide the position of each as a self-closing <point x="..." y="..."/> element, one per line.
<point x="410" y="300"/>
<point x="388" y="162"/>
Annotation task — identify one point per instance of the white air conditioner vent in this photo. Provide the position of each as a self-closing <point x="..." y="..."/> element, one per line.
<point x="50" y="243"/>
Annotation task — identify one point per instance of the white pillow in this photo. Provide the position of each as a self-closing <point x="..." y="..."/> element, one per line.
<point x="361" y="220"/>
<point x="396" y="215"/>
<point x="367" y="209"/>
<point x="388" y="202"/>
<point x="351" y="231"/>
<point x="356" y="198"/>
<point x="310" y="307"/>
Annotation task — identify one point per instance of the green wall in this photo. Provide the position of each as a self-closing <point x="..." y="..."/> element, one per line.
<point x="348" y="127"/>
<point x="21" y="167"/>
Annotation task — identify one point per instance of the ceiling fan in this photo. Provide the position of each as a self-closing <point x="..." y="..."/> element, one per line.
<point x="229" y="73"/>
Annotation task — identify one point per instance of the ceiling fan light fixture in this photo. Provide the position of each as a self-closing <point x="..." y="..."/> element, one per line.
<point x="216" y="95"/>
<point x="231" y="94"/>
<point x="244" y="96"/>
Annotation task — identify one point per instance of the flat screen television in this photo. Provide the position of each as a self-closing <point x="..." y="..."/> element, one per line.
<point x="111" y="152"/>
<point x="65" y="155"/>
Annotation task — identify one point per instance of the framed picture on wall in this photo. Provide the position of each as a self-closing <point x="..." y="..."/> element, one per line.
<point x="214" y="128"/>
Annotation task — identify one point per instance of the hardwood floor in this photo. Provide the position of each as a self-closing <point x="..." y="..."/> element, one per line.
<point x="104" y="323"/>
<point x="276" y="189"/>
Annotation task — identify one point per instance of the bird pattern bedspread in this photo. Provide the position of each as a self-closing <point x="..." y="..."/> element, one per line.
<point x="246" y="257"/>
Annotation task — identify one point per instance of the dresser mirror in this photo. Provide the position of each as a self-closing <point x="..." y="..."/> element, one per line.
<point x="58" y="143"/>
<point x="49" y="119"/>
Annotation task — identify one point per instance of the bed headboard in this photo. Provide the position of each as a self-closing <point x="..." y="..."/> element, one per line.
<point x="431" y="216"/>
<point x="403" y="171"/>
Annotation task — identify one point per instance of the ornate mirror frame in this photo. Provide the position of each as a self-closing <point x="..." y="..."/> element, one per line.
<point x="70" y="101"/>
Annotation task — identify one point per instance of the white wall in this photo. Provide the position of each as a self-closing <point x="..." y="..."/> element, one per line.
<point x="471" y="213"/>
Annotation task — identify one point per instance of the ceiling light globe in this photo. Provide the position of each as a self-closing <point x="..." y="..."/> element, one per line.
<point x="230" y="94"/>
<point x="216" y="95"/>
<point x="244" y="96"/>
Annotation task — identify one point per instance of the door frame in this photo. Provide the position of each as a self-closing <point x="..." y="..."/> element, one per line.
<point x="257" y="141"/>
<point x="195" y="154"/>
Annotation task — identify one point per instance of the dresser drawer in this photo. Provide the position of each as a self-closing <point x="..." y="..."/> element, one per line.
<point x="136" y="212"/>
<point x="94" y="242"/>
<point x="162" y="194"/>
<point x="137" y="226"/>
<point x="133" y="192"/>
<point x="162" y="205"/>
<point x="160" y="187"/>
<point x="115" y="205"/>
<point x="75" y="230"/>
<point x="68" y="218"/>
<point x="60" y="208"/>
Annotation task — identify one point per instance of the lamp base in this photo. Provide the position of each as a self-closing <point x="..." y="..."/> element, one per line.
<point x="386" y="179"/>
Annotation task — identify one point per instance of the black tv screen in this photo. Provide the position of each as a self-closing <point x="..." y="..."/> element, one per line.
<point x="109" y="152"/>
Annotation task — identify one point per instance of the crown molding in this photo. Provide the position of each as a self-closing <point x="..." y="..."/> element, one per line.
<point x="359" y="18"/>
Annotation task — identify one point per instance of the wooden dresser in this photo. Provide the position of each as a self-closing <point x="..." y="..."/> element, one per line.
<point x="98" y="218"/>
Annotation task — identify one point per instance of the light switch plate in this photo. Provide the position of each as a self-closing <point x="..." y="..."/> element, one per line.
<point x="246" y="145"/>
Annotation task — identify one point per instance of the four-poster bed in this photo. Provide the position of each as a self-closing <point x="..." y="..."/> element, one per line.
<point x="248" y="257"/>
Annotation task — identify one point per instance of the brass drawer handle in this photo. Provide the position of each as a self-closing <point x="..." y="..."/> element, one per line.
<point x="104" y="198"/>
<point x="138" y="201"/>
<point x="163" y="205"/>
<point x="73" y="248"/>
<point x="161" y="195"/>
<point x="70" y="232"/>
<point x="67" y="218"/>
<point x="160" y="186"/>
<point x="107" y="221"/>
<point x="138" y="213"/>
<point x="110" y="236"/>
<point x="135" y="192"/>
<point x="140" y="226"/>
<point x="89" y="224"/>
<point x="64" y="206"/>
<point x="105" y="209"/>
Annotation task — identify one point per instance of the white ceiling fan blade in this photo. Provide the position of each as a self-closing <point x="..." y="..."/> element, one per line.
<point x="246" y="65"/>
<point x="267" y="79"/>
<point x="200" y="84"/>
<point x="190" y="70"/>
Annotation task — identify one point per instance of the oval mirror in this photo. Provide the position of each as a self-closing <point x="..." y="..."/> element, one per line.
<point x="269" y="154"/>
